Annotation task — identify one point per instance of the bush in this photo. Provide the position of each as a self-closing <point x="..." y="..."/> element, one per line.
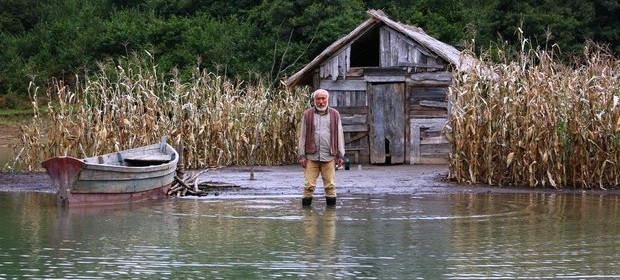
<point x="12" y="101"/>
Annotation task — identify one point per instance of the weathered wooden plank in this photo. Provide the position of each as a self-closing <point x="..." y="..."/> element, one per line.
<point x="406" y="40"/>
<point x="394" y="46"/>
<point x="403" y="51"/>
<point x="415" y="108"/>
<point x="416" y="140"/>
<point x="429" y="123"/>
<point x="433" y="140"/>
<point x="433" y="131"/>
<point x="386" y="123"/>
<point x="394" y="106"/>
<point x="387" y="71"/>
<point x="358" y="136"/>
<point x="435" y="150"/>
<point x="356" y="147"/>
<point x="436" y="76"/>
<point x="352" y="119"/>
<point x="355" y="128"/>
<point x="360" y="98"/>
<point x="427" y="93"/>
<point x="434" y="104"/>
<point x="384" y="79"/>
<point x="334" y="67"/>
<point x="351" y="101"/>
<point x="422" y="65"/>
<point x="427" y="160"/>
<point x="417" y="113"/>
<point x="341" y="85"/>
<point x="342" y="62"/>
<point x="342" y="98"/>
<point x="417" y="56"/>
<point x="325" y="70"/>
<point x="376" y="125"/>
<point x="352" y="110"/>
<point x="347" y="61"/>
<point x="430" y="78"/>
<point x="414" y="144"/>
<point x="384" y="48"/>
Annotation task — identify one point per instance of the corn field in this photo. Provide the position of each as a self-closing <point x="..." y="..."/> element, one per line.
<point x="128" y="104"/>
<point x="537" y="122"/>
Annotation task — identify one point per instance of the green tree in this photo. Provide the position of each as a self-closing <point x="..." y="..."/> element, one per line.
<point x="544" y="23"/>
<point x="296" y="31"/>
<point x="605" y="26"/>
<point x="45" y="39"/>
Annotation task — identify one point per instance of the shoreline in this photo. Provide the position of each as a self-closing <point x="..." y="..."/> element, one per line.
<point x="288" y="180"/>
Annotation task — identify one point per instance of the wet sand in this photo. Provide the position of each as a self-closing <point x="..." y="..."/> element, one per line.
<point x="288" y="180"/>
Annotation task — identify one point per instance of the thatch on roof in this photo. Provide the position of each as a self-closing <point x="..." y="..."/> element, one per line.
<point x="460" y="61"/>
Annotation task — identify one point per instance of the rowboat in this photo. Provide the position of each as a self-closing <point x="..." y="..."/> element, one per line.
<point x="132" y="175"/>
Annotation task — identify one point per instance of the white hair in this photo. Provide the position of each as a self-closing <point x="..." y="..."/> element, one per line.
<point x="320" y="91"/>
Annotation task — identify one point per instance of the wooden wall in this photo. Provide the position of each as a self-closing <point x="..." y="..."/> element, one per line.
<point x="398" y="50"/>
<point x="428" y="114"/>
<point x="402" y="60"/>
<point x="353" y="108"/>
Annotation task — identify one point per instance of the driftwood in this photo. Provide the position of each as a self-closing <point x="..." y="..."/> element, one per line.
<point x="190" y="184"/>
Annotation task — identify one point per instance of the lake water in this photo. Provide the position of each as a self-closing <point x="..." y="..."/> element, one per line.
<point x="439" y="236"/>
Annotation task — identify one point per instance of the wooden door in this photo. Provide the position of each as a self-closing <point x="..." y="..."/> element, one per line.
<point x="387" y="122"/>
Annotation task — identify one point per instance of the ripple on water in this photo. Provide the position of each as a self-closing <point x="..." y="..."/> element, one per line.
<point x="458" y="236"/>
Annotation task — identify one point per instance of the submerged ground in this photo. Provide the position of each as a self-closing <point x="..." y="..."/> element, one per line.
<point x="288" y="180"/>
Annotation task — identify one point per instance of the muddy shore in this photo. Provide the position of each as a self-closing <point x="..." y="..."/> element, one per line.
<point x="288" y="180"/>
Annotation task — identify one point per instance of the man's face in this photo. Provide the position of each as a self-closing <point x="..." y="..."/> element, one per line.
<point x="320" y="101"/>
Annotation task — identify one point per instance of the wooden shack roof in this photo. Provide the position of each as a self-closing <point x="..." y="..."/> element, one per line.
<point x="445" y="51"/>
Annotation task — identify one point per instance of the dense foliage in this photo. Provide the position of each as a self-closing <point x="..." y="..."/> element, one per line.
<point x="43" y="39"/>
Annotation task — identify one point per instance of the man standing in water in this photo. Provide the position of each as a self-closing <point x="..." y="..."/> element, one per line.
<point x="320" y="147"/>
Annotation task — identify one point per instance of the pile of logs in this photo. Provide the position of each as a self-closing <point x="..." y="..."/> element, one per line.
<point x="191" y="184"/>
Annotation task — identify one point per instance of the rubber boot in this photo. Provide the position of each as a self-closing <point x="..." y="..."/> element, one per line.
<point x="306" y="201"/>
<point x="330" y="201"/>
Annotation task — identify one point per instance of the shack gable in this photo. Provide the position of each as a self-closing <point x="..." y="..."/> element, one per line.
<point x="381" y="47"/>
<point x="380" y="42"/>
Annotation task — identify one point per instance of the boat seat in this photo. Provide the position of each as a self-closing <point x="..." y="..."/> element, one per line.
<point x="145" y="160"/>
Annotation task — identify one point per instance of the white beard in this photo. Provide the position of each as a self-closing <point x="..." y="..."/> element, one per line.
<point x="321" y="108"/>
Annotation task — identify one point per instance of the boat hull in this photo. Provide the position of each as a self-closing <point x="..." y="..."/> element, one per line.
<point x="108" y="179"/>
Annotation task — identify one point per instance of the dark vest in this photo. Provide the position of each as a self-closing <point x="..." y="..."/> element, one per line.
<point x="334" y="118"/>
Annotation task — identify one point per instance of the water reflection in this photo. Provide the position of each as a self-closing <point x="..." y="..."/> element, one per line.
<point x="541" y="234"/>
<point x="460" y="236"/>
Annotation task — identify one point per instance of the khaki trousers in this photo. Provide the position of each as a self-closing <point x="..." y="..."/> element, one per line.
<point x="328" y="174"/>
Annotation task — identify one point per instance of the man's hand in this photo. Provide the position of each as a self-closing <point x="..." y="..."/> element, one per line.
<point x="302" y="161"/>
<point x="339" y="162"/>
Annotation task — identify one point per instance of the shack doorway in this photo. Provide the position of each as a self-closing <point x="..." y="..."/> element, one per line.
<point x="386" y="104"/>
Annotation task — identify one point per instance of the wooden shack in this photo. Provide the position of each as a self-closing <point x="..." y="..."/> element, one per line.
<point x="389" y="81"/>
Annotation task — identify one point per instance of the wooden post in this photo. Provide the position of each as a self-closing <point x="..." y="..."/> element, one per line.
<point x="181" y="163"/>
